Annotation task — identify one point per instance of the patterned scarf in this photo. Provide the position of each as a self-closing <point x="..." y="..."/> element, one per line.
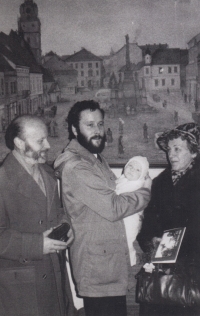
<point x="177" y="175"/>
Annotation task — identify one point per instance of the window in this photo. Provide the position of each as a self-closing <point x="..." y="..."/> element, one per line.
<point x="156" y="82"/>
<point x="89" y="65"/>
<point x="81" y="65"/>
<point x="147" y="71"/>
<point x="82" y="83"/>
<point x="172" y="82"/>
<point x="175" y="69"/>
<point x="163" y="82"/>
<point x="82" y="73"/>
<point x="97" y="65"/>
<point x="7" y="90"/>
<point x="169" y="70"/>
<point x="2" y="86"/>
<point x="13" y="87"/>
<point x="76" y="66"/>
<point x="97" y="72"/>
<point x="71" y="65"/>
<point x="160" y="70"/>
<point x="90" y="73"/>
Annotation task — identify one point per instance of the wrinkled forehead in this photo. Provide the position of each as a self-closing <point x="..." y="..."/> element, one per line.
<point x="178" y="142"/>
<point x="89" y="115"/>
<point x="34" y="128"/>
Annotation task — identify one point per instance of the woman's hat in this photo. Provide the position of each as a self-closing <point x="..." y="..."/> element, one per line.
<point x="191" y="132"/>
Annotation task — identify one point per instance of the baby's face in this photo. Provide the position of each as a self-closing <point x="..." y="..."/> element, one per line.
<point x="133" y="171"/>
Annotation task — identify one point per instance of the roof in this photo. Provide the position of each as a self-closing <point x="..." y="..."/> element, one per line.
<point x="4" y="65"/>
<point x="64" y="57"/>
<point x="83" y="55"/>
<point x="17" y="50"/>
<point x="151" y="48"/>
<point x="167" y="56"/>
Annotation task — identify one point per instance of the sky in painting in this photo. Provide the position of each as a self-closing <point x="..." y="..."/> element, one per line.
<point x="99" y="25"/>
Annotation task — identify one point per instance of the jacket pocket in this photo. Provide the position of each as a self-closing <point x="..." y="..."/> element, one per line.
<point x="18" y="292"/>
<point x="105" y="262"/>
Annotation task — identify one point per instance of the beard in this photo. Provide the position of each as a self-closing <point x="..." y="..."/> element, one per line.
<point x="88" y="143"/>
<point x="37" y="156"/>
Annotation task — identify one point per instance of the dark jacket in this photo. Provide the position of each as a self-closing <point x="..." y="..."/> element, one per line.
<point x="30" y="282"/>
<point x="174" y="206"/>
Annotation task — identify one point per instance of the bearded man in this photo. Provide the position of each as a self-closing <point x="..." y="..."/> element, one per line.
<point x="32" y="280"/>
<point x="99" y="254"/>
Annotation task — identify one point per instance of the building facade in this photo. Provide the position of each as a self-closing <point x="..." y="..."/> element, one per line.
<point x="192" y="69"/>
<point x="164" y="70"/>
<point x="88" y="67"/>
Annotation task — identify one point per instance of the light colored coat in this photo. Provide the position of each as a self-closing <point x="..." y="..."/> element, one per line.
<point x="99" y="254"/>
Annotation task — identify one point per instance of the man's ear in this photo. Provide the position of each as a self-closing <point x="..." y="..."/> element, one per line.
<point x="19" y="143"/>
<point x="74" y="130"/>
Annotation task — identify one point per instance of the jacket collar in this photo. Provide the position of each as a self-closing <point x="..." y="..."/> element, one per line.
<point x="23" y="182"/>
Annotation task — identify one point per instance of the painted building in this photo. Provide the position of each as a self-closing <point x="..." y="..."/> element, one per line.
<point x="116" y="61"/>
<point x="29" y="27"/>
<point x="193" y="69"/>
<point x="88" y="67"/>
<point x="165" y="69"/>
<point x="63" y="74"/>
<point x="22" y="74"/>
<point x="67" y="81"/>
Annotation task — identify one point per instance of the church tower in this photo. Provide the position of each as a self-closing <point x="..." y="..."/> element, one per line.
<point x="29" y="27"/>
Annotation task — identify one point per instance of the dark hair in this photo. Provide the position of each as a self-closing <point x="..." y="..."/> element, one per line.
<point x="193" y="148"/>
<point x="16" y="128"/>
<point x="73" y="117"/>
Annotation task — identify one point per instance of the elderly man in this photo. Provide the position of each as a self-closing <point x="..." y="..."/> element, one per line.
<point x="99" y="253"/>
<point x="31" y="276"/>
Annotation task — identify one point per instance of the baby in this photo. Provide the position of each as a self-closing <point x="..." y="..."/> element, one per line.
<point x="132" y="179"/>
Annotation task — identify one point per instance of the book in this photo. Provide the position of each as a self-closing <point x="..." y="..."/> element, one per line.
<point x="169" y="246"/>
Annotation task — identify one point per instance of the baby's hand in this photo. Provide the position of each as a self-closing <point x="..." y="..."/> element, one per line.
<point x="147" y="182"/>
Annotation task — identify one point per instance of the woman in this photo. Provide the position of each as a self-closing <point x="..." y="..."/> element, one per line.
<point x="175" y="203"/>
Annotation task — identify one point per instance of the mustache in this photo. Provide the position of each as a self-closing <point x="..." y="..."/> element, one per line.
<point x="97" y="137"/>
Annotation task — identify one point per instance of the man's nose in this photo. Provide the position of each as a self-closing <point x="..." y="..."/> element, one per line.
<point x="46" y="144"/>
<point x="97" y="130"/>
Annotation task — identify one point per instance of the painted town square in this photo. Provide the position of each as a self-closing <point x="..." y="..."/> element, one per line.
<point x="128" y="132"/>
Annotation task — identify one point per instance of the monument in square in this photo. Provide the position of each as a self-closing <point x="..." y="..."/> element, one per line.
<point x="126" y="94"/>
<point x="129" y="95"/>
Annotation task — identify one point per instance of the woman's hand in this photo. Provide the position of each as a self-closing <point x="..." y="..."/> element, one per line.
<point x="147" y="182"/>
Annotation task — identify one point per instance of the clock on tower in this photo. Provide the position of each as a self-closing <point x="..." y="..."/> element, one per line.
<point x="29" y="26"/>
